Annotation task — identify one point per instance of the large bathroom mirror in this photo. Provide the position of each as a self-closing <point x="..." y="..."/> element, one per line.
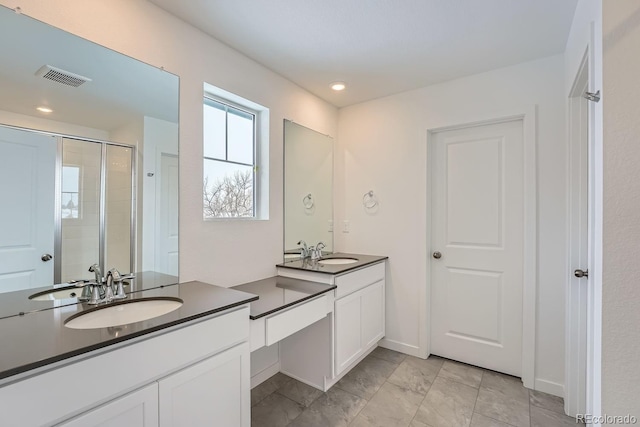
<point x="308" y="189"/>
<point x="88" y="159"/>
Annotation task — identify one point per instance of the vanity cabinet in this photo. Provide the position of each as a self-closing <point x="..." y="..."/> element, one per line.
<point x="209" y="393"/>
<point x="195" y="373"/>
<point x="359" y="316"/>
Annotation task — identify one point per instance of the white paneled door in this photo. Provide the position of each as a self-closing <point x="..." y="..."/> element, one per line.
<point x="167" y="240"/>
<point x="27" y="195"/>
<point x="477" y="245"/>
<point x="580" y="289"/>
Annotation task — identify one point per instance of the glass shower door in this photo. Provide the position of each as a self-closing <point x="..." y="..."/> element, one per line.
<point x="118" y="208"/>
<point x="95" y="202"/>
<point x="79" y="208"/>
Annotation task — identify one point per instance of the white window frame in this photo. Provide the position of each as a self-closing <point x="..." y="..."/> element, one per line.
<point x="78" y="193"/>
<point x="260" y="149"/>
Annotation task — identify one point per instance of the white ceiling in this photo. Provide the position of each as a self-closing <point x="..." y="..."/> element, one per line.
<point x="381" y="47"/>
<point x="122" y="90"/>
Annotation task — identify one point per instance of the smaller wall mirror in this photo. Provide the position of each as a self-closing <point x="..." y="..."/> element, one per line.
<point x="308" y="189"/>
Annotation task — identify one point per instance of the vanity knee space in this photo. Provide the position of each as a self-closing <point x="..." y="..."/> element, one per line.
<point x="350" y="331"/>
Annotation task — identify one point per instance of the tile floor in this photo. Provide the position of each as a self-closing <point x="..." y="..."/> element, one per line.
<point x="390" y="389"/>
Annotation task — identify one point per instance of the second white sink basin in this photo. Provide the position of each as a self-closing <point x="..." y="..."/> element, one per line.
<point x="122" y="313"/>
<point x="337" y="261"/>
<point x="61" y="293"/>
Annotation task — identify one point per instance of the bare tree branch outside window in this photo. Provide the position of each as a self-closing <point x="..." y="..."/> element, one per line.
<point x="228" y="197"/>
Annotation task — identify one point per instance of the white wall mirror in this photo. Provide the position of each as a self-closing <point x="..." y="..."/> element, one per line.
<point x="308" y="189"/>
<point x="93" y="180"/>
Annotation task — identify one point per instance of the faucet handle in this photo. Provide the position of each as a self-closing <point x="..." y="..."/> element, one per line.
<point x="115" y="275"/>
<point x="120" y="291"/>
<point x="117" y="287"/>
<point x="118" y="279"/>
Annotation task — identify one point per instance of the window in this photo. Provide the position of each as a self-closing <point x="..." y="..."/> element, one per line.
<point x="229" y="161"/>
<point x="70" y="191"/>
<point x="235" y="157"/>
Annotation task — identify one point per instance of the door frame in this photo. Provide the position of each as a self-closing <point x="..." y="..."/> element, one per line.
<point x="576" y="294"/>
<point x="592" y="351"/>
<point x="527" y="115"/>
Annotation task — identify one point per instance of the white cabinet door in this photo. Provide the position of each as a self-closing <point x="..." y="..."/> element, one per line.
<point x="214" y="392"/>
<point x="136" y="409"/>
<point x="347" y="331"/>
<point x="372" y="314"/>
<point x="359" y="324"/>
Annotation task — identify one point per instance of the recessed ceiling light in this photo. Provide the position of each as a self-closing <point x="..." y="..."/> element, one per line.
<point x="44" y="109"/>
<point x="338" y="86"/>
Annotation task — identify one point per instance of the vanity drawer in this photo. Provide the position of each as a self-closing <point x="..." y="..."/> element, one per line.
<point x="288" y="322"/>
<point x="351" y="282"/>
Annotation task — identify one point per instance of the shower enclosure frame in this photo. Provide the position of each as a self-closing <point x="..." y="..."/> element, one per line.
<point x="57" y="268"/>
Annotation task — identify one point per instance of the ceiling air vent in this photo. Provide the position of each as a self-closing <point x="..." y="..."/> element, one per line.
<point x="61" y="76"/>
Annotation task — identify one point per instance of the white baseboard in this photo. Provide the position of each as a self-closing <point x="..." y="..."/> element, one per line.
<point x="265" y="374"/>
<point x="411" y="350"/>
<point x="549" y="387"/>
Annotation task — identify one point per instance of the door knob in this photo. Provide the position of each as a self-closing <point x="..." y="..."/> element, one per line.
<point x="437" y="255"/>
<point x="581" y="273"/>
<point x="46" y="257"/>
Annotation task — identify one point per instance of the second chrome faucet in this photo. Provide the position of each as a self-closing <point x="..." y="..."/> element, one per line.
<point x="104" y="289"/>
<point x="315" y="253"/>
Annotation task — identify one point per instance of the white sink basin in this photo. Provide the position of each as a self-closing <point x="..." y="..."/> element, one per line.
<point x="122" y="313"/>
<point x="56" y="294"/>
<point x="337" y="261"/>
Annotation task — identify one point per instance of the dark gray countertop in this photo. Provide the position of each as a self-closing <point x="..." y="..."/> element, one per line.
<point x="39" y="338"/>
<point x="277" y="293"/>
<point x="18" y="302"/>
<point x="308" y="265"/>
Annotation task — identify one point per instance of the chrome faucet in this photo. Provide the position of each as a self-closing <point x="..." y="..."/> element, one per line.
<point x="316" y="253"/>
<point x="304" y="253"/>
<point x="95" y="269"/>
<point x="104" y="290"/>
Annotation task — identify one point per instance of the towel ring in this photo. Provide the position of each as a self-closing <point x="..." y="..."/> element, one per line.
<point x="369" y="200"/>
<point x="307" y="201"/>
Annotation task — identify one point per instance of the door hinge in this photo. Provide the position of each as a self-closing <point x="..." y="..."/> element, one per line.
<point x="581" y="273"/>
<point x="590" y="96"/>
